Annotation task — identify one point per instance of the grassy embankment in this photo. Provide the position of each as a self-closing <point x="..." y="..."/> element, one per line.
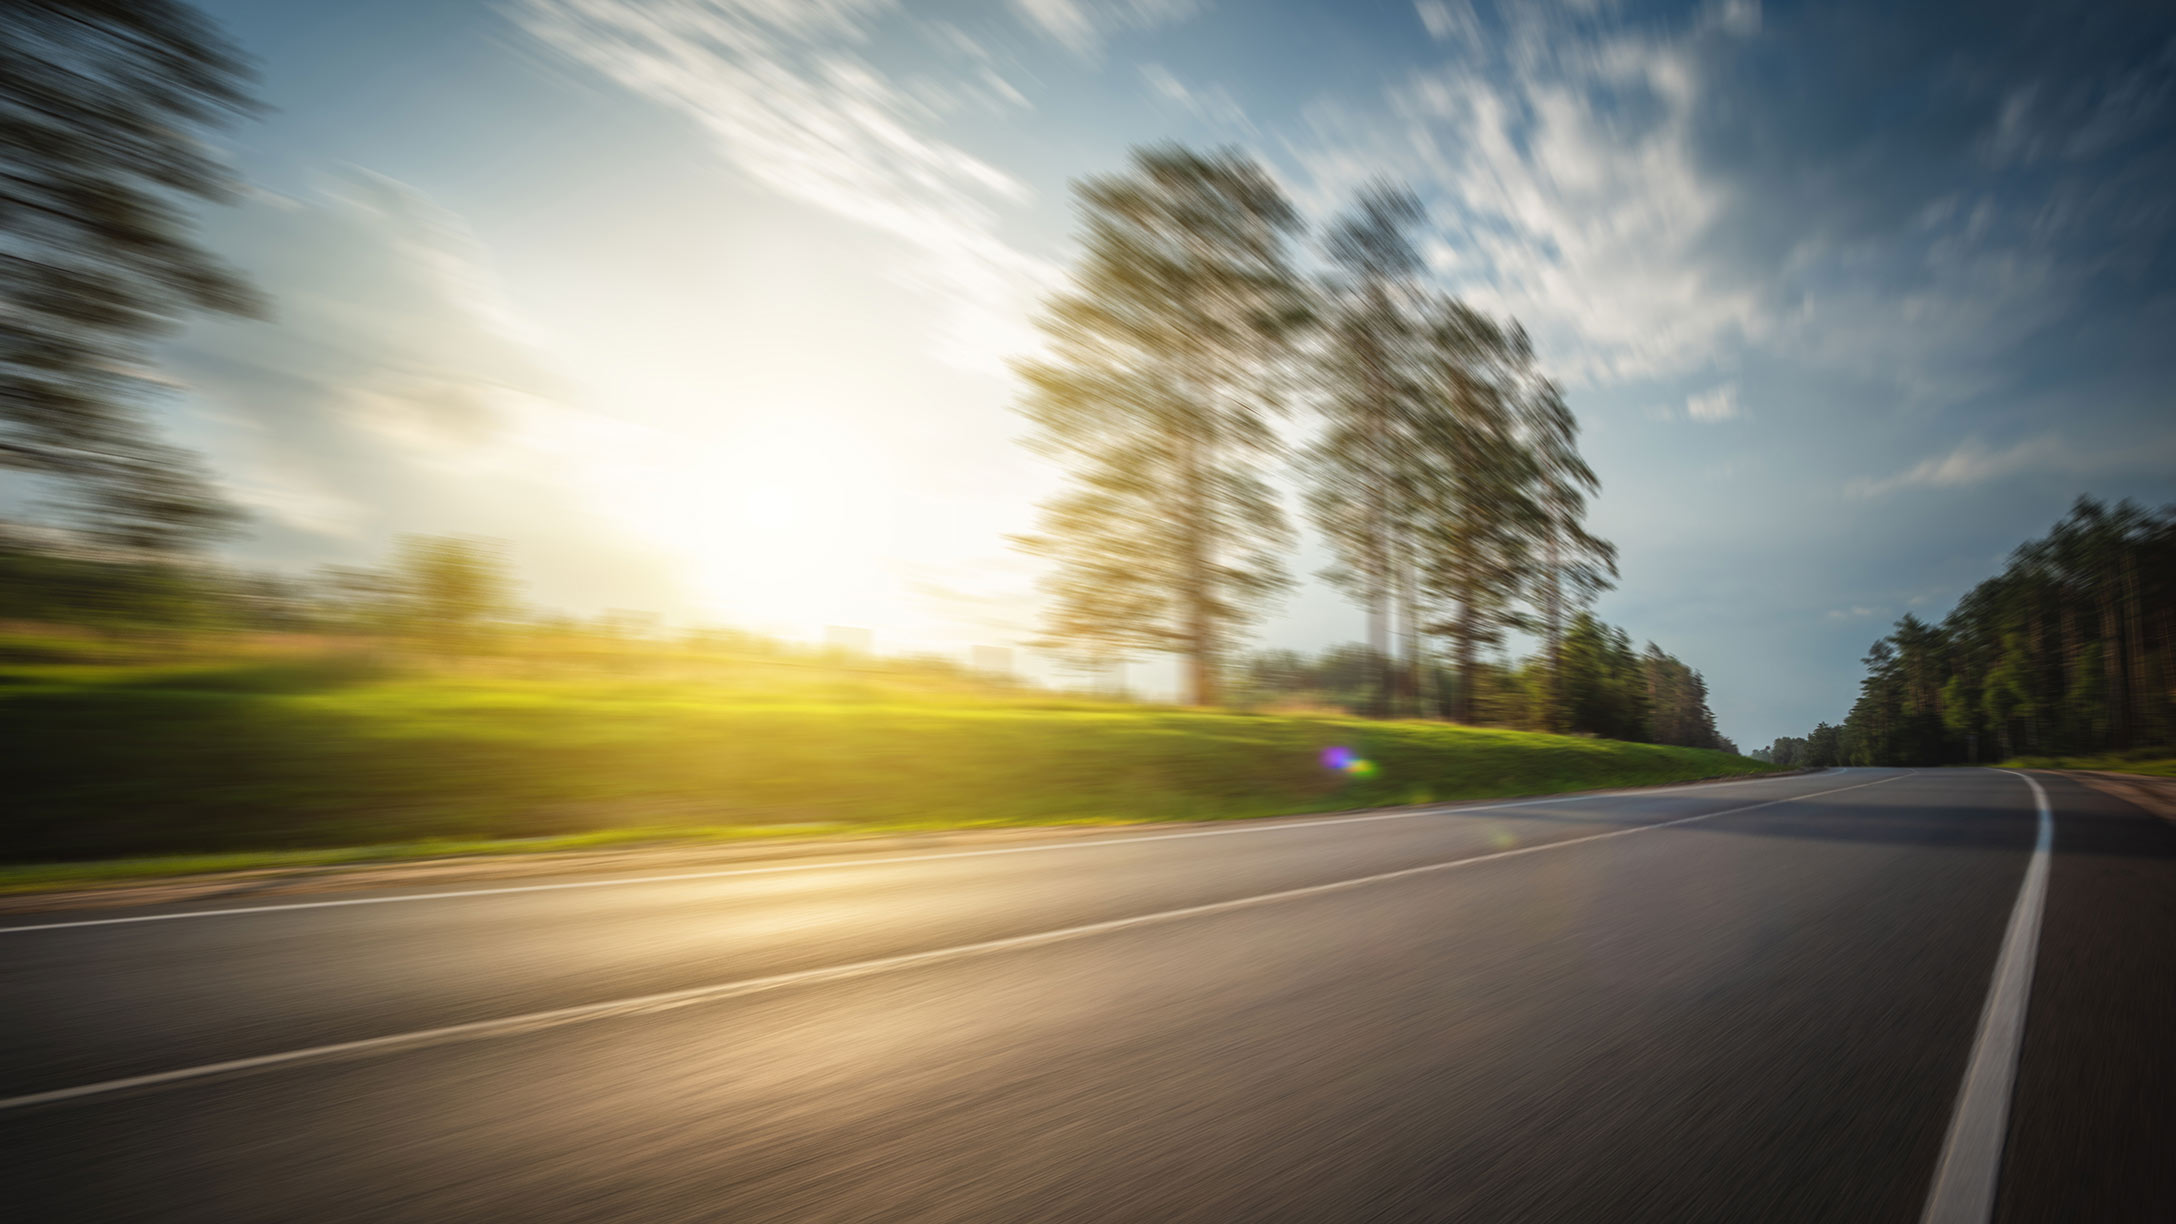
<point x="248" y="763"/>
<point x="2154" y="762"/>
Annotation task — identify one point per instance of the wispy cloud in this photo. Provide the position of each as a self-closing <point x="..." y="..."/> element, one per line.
<point x="1855" y="612"/>
<point x="1715" y="404"/>
<point x="1581" y="213"/>
<point x="1083" y="25"/>
<point x="1446" y="20"/>
<point x="1974" y="462"/>
<point x="1211" y="104"/>
<point x="786" y="96"/>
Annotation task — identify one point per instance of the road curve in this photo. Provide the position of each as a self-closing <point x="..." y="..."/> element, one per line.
<point x="1756" y="1000"/>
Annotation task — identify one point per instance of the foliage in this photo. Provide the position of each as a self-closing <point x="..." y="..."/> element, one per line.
<point x="2071" y="650"/>
<point x="1157" y="393"/>
<point x="1447" y="477"/>
<point x="1612" y="690"/>
<point x="105" y="115"/>
<point x="1367" y="468"/>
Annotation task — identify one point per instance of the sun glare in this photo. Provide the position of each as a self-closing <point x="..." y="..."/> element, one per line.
<point x="784" y="522"/>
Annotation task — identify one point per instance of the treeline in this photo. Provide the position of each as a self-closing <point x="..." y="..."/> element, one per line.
<point x="1602" y="686"/>
<point x="1444" y="469"/>
<point x="437" y="603"/>
<point x="2067" y="652"/>
<point x="444" y="589"/>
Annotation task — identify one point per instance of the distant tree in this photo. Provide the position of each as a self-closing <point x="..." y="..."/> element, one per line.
<point x="2071" y="649"/>
<point x="1677" y="702"/>
<point x="105" y="113"/>
<point x="1604" y="684"/>
<point x="1825" y="746"/>
<point x="1786" y="750"/>
<point x="1164" y="368"/>
<point x="451" y="587"/>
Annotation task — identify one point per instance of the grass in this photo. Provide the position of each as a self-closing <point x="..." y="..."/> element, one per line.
<point x="123" y="771"/>
<point x="2154" y="762"/>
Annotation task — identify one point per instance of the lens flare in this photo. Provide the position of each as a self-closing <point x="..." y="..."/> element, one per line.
<point x="1345" y="760"/>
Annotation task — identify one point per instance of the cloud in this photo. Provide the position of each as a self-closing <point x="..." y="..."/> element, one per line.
<point x="1715" y="404"/>
<point x="1973" y="462"/>
<point x="1650" y="195"/>
<point x="1446" y="20"/>
<point x="1563" y="160"/>
<point x="785" y="95"/>
<point x="1855" y="612"/>
<point x="1083" y="25"/>
<point x="1212" y="105"/>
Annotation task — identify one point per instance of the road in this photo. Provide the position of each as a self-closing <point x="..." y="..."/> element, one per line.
<point x="1790" y="998"/>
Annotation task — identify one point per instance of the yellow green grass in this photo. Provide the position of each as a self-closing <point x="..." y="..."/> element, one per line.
<point x="303" y="762"/>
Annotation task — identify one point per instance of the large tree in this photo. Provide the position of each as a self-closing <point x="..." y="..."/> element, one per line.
<point x="1480" y="518"/>
<point x="1164" y="367"/>
<point x="1363" y="470"/>
<point x="106" y="108"/>
<point x="1572" y="565"/>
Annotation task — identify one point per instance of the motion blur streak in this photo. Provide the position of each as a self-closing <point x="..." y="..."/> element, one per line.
<point x="729" y="990"/>
<point x="1762" y="1015"/>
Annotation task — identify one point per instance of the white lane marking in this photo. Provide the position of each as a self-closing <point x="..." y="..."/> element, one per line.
<point x="671" y="999"/>
<point x="721" y="873"/>
<point x="1964" y="1181"/>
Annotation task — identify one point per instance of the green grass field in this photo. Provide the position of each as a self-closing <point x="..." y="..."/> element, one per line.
<point x="299" y="760"/>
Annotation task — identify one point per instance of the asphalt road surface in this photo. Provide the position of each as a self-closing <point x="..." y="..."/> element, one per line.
<point x="1858" y="995"/>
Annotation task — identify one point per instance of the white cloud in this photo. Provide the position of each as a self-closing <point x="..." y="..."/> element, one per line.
<point x="1446" y="20"/>
<point x="1587" y="225"/>
<point x="1973" y="462"/>
<point x="778" y="86"/>
<point x="1083" y="25"/>
<point x="1715" y="404"/>
<point x="1212" y="105"/>
<point x="1855" y="612"/>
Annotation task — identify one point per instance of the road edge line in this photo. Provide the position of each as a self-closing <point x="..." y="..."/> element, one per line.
<point x="1965" y="1179"/>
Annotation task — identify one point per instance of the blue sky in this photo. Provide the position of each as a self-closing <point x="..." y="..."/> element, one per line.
<point x="705" y="306"/>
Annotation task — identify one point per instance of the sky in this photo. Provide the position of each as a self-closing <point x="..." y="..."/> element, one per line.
<point x="705" y="307"/>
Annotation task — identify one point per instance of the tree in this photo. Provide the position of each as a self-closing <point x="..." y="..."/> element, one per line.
<point x="2071" y="649"/>
<point x="1478" y="516"/>
<point x="1574" y="564"/>
<point x="1163" y="371"/>
<point x="105" y="113"/>
<point x="1605" y="687"/>
<point x="450" y="587"/>
<point x="1363" y="479"/>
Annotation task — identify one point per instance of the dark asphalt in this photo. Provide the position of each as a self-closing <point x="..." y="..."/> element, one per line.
<point x="1761" y="1016"/>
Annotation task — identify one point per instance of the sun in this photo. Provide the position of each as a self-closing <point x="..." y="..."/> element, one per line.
<point x="783" y="522"/>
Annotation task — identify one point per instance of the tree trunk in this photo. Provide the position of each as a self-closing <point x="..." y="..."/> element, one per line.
<point x="2134" y="638"/>
<point x="1464" y="644"/>
<point x="1409" y="634"/>
<point x="2111" y="655"/>
<point x="1378" y="543"/>
<point x="1200" y="620"/>
<point x="1553" y="637"/>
